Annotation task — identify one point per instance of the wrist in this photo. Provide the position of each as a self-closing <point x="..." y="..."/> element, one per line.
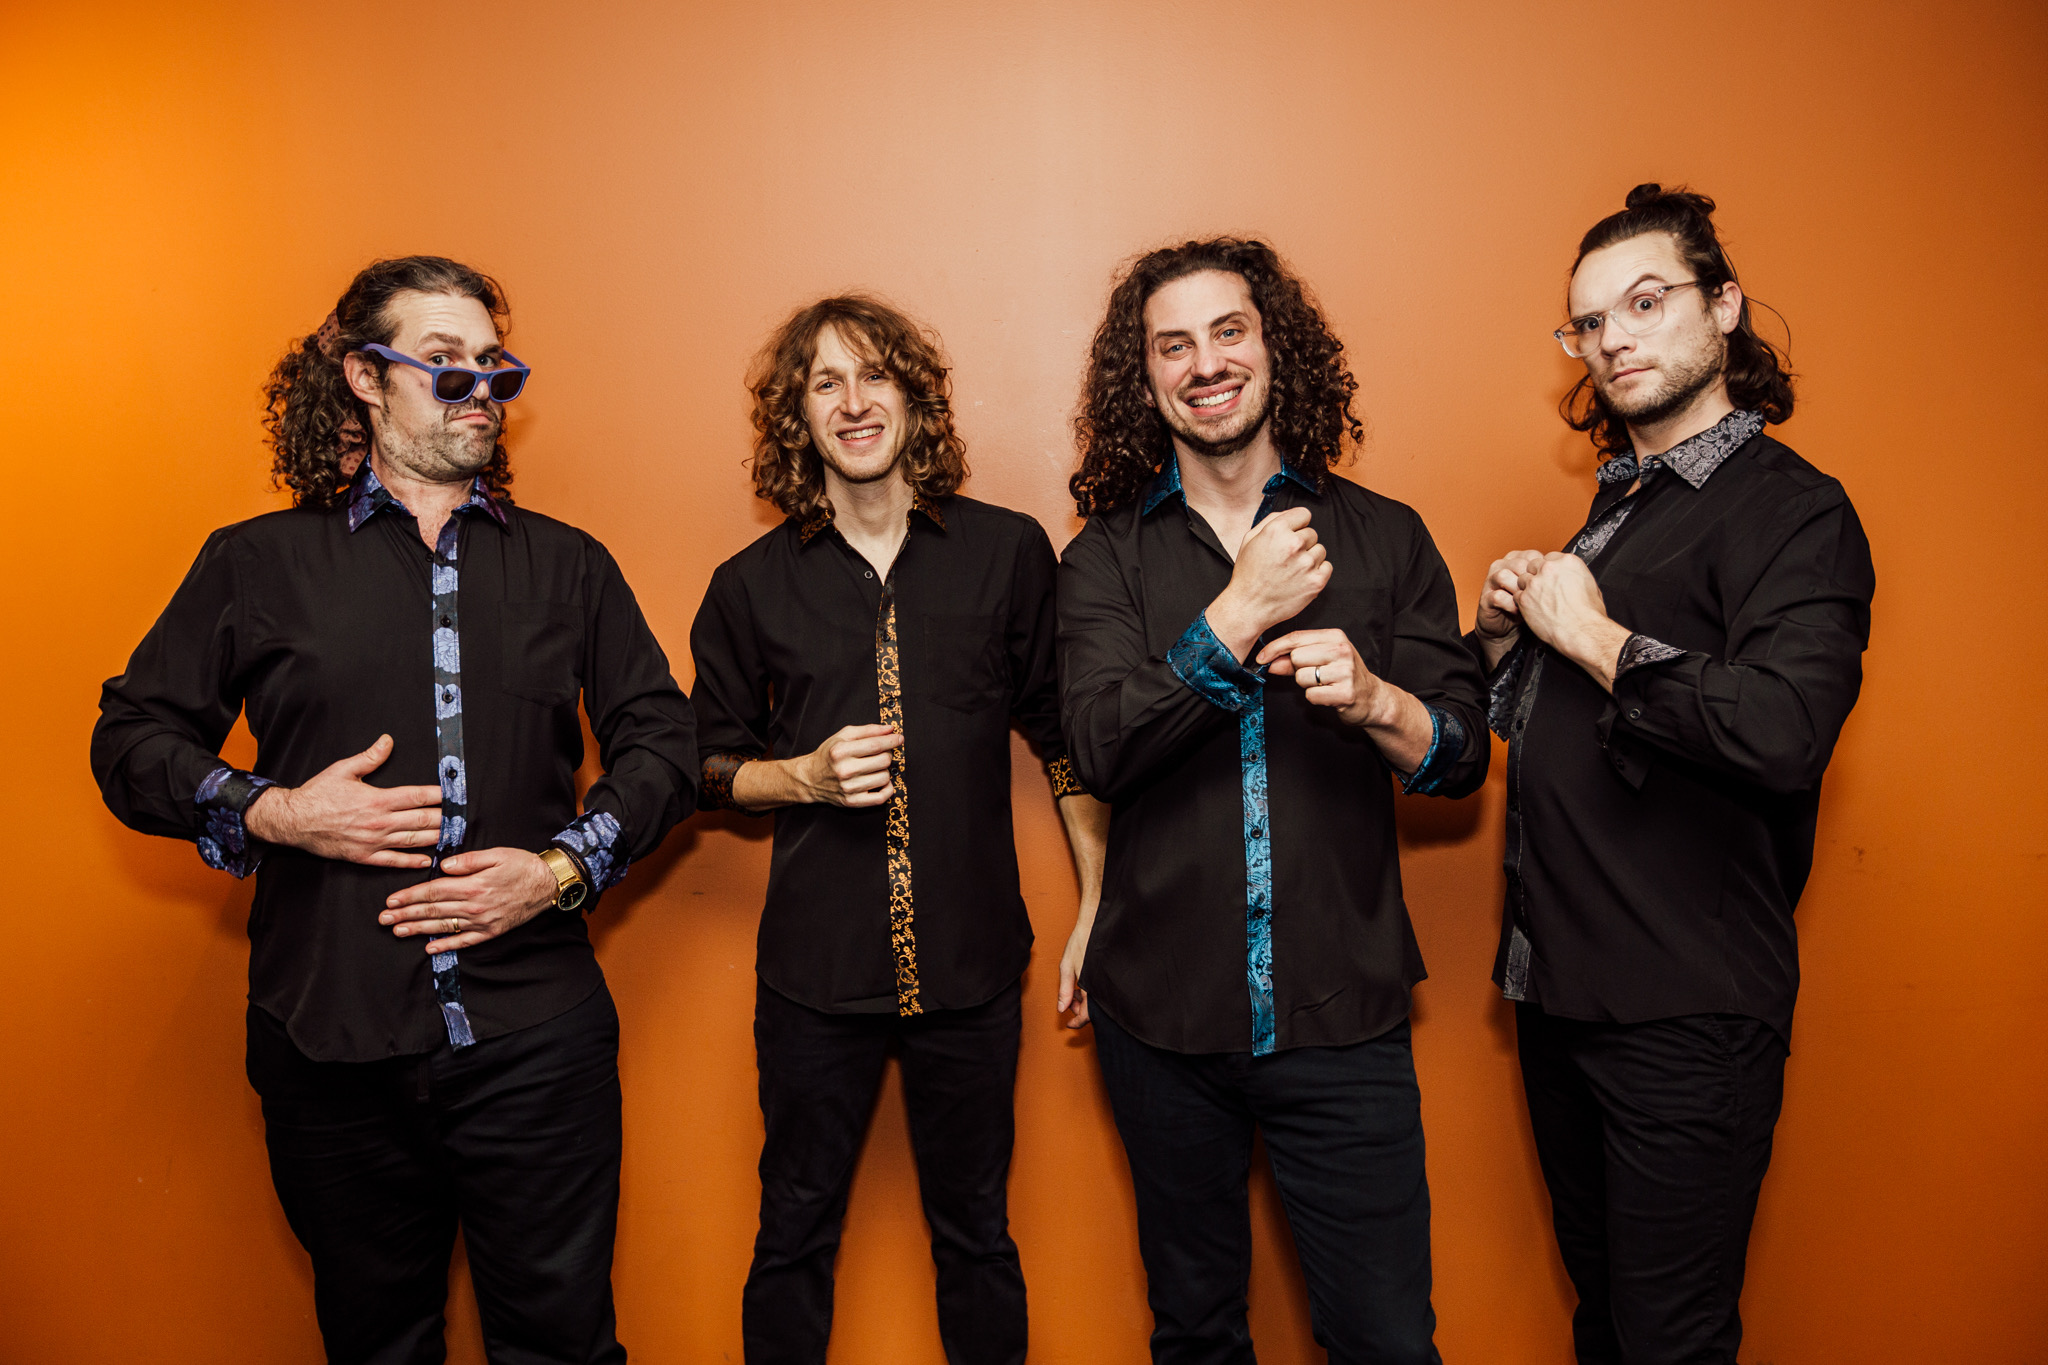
<point x="268" y="815"/>
<point x="1234" y="625"/>
<point x="1595" y="645"/>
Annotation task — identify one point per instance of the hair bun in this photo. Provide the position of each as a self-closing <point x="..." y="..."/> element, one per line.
<point x="1650" y="192"/>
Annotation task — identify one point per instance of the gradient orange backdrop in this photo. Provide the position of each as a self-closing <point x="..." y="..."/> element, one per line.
<point x="186" y="188"/>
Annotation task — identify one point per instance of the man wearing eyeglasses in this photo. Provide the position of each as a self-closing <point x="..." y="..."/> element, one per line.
<point x="428" y="1027"/>
<point x="1671" y="686"/>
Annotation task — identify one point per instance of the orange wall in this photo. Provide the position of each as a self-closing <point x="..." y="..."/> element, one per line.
<point x="184" y="188"/>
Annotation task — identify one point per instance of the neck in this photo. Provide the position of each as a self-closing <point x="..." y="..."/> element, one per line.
<point x="431" y="501"/>
<point x="1231" y="485"/>
<point x="873" y="516"/>
<point x="1654" y="438"/>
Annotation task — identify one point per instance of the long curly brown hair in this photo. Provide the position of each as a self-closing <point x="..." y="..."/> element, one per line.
<point x="788" y="470"/>
<point x="316" y="423"/>
<point x="1123" y="439"/>
<point x="1758" y="376"/>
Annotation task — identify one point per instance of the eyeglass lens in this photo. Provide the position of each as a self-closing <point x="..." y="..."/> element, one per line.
<point x="457" y="386"/>
<point x="1635" y="315"/>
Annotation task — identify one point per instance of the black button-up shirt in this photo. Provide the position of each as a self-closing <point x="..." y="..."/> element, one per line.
<point x="1658" y="839"/>
<point x="1252" y="898"/>
<point x="912" y="905"/>
<point x="333" y="627"/>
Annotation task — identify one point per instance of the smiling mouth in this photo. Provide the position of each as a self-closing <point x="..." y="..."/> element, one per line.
<point x="1215" y="400"/>
<point x="860" y="433"/>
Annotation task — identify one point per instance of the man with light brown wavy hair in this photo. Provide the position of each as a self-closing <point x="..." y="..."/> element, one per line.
<point x="858" y="670"/>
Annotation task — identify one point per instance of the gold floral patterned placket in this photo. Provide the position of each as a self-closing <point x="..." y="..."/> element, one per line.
<point x="896" y="834"/>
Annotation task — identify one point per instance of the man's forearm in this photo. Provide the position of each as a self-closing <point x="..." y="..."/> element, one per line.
<point x="1494" y="648"/>
<point x="765" y="783"/>
<point x="1596" y="647"/>
<point x="1402" y="728"/>
<point x="1087" y="822"/>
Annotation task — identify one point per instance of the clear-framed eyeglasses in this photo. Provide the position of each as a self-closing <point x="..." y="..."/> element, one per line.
<point x="1640" y="313"/>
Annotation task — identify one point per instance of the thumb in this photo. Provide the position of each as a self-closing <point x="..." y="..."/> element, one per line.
<point x="368" y="761"/>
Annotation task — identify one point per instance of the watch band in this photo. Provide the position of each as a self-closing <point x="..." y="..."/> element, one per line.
<point x="572" y="888"/>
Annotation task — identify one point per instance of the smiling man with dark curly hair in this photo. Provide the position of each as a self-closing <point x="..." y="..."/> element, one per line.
<point x="1253" y="651"/>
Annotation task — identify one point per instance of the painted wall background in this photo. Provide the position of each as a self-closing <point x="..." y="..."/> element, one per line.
<point x="185" y="189"/>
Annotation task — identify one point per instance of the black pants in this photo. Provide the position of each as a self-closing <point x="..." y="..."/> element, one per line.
<point x="819" y="1076"/>
<point x="1654" y="1139"/>
<point x="515" y="1138"/>
<point x="1343" y="1128"/>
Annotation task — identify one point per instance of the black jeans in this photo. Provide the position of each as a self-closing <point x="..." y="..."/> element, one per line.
<point x="819" y="1076"/>
<point x="1343" y="1128"/>
<point x="1654" y="1140"/>
<point x="515" y="1138"/>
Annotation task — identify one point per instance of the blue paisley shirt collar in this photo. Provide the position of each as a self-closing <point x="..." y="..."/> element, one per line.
<point x="369" y="496"/>
<point x="1166" y="482"/>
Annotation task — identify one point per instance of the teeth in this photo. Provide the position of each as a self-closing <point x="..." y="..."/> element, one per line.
<point x="1213" y="400"/>
<point x="860" y="433"/>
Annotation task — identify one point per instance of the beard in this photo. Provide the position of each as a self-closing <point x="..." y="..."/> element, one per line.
<point x="1683" y="380"/>
<point x="440" y="450"/>
<point x="1217" y="445"/>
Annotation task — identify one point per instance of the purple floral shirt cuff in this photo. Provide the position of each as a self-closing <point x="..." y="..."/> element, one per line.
<point x="1640" y="650"/>
<point x="593" y="838"/>
<point x="224" y="844"/>
<point x="1446" y="747"/>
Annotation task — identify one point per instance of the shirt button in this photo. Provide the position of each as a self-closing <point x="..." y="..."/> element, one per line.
<point x="447" y="695"/>
<point x="868" y="573"/>
<point x="445" y="622"/>
<point x="1635" y="713"/>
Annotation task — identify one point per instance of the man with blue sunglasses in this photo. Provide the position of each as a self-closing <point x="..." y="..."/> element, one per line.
<point x="428" y="1027"/>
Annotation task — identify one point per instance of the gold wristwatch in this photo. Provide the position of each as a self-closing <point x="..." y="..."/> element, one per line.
<point x="570" y="887"/>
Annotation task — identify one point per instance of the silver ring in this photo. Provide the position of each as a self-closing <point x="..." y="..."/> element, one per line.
<point x="1318" y="671"/>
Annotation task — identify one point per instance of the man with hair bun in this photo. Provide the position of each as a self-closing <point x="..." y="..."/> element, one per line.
<point x="1671" y="686"/>
<point x="858" y="671"/>
<point x="1253" y="653"/>
<point x="428" y="1027"/>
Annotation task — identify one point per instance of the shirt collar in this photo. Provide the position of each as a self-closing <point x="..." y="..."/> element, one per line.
<point x="1166" y="482"/>
<point x="1696" y="457"/>
<point x="820" y="519"/>
<point x="369" y="496"/>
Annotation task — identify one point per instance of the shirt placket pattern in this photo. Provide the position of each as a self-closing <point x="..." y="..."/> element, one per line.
<point x="450" y="761"/>
<point x="896" y="828"/>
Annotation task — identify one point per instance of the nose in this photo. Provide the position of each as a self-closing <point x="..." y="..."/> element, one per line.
<point x="1210" y="365"/>
<point x="1614" y="341"/>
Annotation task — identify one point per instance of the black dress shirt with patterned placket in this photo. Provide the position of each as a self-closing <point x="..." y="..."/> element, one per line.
<point x="1252" y="899"/>
<point x="333" y="627"/>
<point x="1658" y="839"/>
<point x="912" y="905"/>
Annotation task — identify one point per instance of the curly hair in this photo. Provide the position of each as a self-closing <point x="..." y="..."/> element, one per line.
<point x="1757" y="375"/>
<point x="315" y="421"/>
<point x="788" y="471"/>
<point x="1123" y="439"/>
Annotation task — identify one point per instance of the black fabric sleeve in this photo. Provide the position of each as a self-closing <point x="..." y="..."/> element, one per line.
<point x="163" y="720"/>
<point x="1432" y="662"/>
<point x="731" y="693"/>
<point x="1126" y="713"/>
<point x="1031" y="642"/>
<point x="1771" y="710"/>
<point x="646" y="734"/>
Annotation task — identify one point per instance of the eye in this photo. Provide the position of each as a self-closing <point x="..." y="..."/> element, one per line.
<point x="1585" y="326"/>
<point x="1174" y="348"/>
<point x="438" y="358"/>
<point x="1646" y="303"/>
<point x="1231" y="333"/>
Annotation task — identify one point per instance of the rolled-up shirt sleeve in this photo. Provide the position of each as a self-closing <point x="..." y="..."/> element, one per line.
<point x="731" y="692"/>
<point x="1127" y="713"/>
<point x="1770" y="710"/>
<point x="646" y="735"/>
<point x="1432" y="662"/>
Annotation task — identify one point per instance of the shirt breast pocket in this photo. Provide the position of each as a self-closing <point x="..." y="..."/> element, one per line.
<point x="541" y="646"/>
<point x="963" y="662"/>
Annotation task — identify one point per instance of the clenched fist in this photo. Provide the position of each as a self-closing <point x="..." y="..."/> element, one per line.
<point x="1281" y="568"/>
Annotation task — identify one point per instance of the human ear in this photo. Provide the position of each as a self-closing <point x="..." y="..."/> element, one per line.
<point x="362" y="379"/>
<point x="1728" y="307"/>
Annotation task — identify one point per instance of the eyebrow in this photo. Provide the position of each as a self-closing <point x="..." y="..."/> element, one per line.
<point x="456" y="342"/>
<point x="1237" y="314"/>
<point x="1633" y="286"/>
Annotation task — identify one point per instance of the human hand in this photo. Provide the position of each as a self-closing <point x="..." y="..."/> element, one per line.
<point x="851" y="768"/>
<point x="336" y="814"/>
<point x="485" y="893"/>
<point x="1498" y="620"/>
<point x="1559" y="599"/>
<point x="1071" y="994"/>
<point x="1280" y="569"/>
<point x="1331" y="674"/>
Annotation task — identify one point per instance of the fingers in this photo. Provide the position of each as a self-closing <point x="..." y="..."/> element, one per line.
<point x="845" y="749"/>
<point x="878" y="797"/>
<point x="861" y="731"/>
<point x="1298" y="639"/>
<point x="457" y="942"/>
<point x="406" y="798"/>
<point x="366" y="762"/>
<point x="385" y="857"/>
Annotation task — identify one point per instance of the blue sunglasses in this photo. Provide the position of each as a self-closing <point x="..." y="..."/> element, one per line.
<point x="454" y="384"/>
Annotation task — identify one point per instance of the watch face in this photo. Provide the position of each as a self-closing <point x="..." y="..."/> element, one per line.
<point x="572" y="895"/>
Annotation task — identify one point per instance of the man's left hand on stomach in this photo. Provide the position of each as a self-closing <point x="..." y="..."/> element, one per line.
<point x="483" y="894"/>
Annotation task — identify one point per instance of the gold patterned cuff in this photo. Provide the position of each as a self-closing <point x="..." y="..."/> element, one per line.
<point x="715" y="781"/>
<point x="1064" y="782"/>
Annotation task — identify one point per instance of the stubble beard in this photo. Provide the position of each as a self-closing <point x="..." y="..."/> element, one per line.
<point x="1218" y="448"/>
<point x="444" y="452"/>
<point x="1682" y="383"/>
